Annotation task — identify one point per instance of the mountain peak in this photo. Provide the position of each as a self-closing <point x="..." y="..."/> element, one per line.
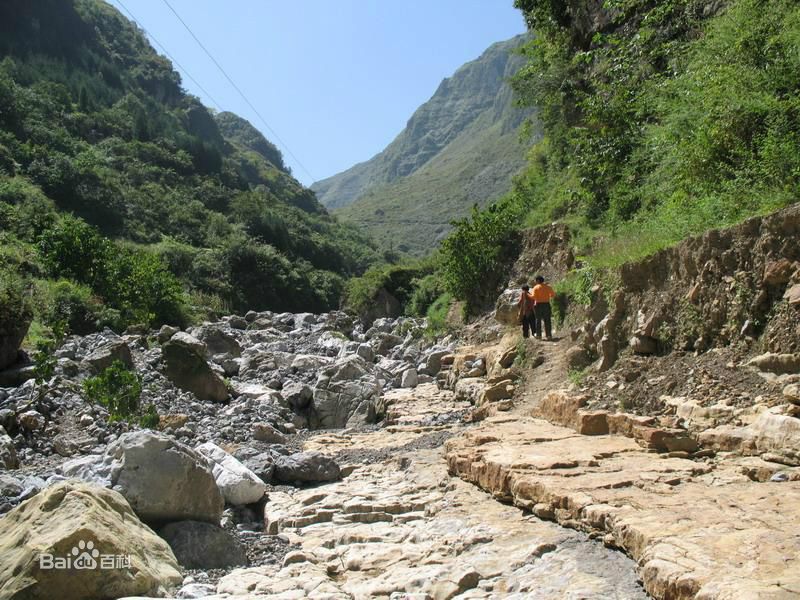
<point x="457" y="149"/>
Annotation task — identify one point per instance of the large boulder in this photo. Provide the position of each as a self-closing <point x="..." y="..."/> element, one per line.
<point x="643" y="344"/>
<point x="778" y="272"/>
<point x="238" y="484"/>
<point x="18" y="374"/>
<point x="218" y="341"/>
<point x="505" y="309"/>
<point x="382" y="343"/>
<point x="104" y="356"/>
<point x="469" y="389"/>
<point x="348" y="404"/>
<point x="186" y="367"/>
<point x="346" y="395"/>
<point x="264" y="432"/>
<point x="366" y="352"/>
<point x="309" y="362"/>
<point x="409" y="378"/>
<point x="773" y="435"/>
<point x="111" y="553"/>
<point x="331" y="343"/>
<point x="199" y="545"/>
<point x="297" y="395"/>
<point x="578" y="358"/>
<point x="263" y="465"/>
<point x="349" y="368"/>
<point x="433" y="362"/>
<point x="162" y="479"/>
<point x="305" y="467"/>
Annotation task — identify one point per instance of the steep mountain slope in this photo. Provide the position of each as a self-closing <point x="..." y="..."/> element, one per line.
<point x="459" y="148"/>
<point x="94" y="124"/>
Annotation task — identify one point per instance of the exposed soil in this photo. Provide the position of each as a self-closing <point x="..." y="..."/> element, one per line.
<point x="637" y="383"/>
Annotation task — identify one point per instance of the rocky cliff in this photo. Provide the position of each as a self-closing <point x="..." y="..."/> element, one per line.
<point x="458" y="149"/>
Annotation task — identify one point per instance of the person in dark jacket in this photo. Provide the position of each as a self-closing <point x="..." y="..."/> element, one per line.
<point x="526" y="314"/>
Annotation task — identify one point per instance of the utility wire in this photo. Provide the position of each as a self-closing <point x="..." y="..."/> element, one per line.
<point x="236" y="87"/>
<point x="172" y="58"/>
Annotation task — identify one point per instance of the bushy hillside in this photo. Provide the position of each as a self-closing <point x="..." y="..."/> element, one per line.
<point x="112" y="177"/>
<point x="460" y="148"/>
<point x="661" y="120"/>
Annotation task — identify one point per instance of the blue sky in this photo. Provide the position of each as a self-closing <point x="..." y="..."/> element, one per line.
<point x="335" y="79"/>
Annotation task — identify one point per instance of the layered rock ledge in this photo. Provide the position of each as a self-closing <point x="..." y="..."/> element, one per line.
<point x="697" y="528"/>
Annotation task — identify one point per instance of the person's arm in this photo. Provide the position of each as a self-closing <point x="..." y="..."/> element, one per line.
<point x="551" y="292"/>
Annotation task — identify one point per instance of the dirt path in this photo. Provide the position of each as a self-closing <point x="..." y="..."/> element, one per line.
<point x="551" y="374"/>
<point x="400" y="527"/>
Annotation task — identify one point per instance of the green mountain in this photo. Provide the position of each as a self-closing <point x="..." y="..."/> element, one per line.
<point x="102" y="151"/>
<point x="460" y="148"/>
<point x="661" y="120"/>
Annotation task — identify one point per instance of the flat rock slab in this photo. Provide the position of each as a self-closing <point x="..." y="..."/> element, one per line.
<point x="696" y="529"/>
<point x="403" y="529"/>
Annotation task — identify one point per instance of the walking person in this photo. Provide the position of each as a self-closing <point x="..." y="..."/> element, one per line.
<point x="542" y="295"/>
<point x="526" y="316"/>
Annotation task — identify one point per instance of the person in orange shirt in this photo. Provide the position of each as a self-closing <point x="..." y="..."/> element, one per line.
<point x="526" y="317"/>
<point x="542" y="295"/>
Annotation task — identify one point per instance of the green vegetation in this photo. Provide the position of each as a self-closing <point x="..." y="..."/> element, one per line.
<point x="120" y="390"/>
<point x="127" y="201"/>
<point x="577" y="376"/>
<point x="476" y="256"/>
<point x="521" y="359"/>
<point x="44" y="361"/>
<point x="408" y="284"/>
<point x="461" y="147"/>
<point x="669" y="121"/>
<point x="437" y="315"/>
<point x="428" y="290"/>
<point x="15" y="305"/>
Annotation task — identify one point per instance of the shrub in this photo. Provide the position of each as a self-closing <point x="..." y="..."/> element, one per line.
<point x="116" y="388"/>
<point x="75" y="306"/>
<point x="27" y="211"/>
<point x="437" y="314"/>
<point x="142" y="288"/>
<point x="135" y="282"/>
<point x="74" y="250"/>
<point x="426" y="291"/>
<point x="577" y="376"/>
<point x="477" y="253"/>
<point x="149" y="418"/>
<point x="401" y="281"/>
<point x="15" y="304"/>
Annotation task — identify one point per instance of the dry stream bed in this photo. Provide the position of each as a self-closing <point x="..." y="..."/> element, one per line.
<point x="398" y="526"/>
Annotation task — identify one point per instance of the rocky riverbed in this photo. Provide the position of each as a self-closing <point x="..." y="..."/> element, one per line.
<point x="399" y="526"/>
<point x="305" y="456"/>
<point x="295" y="456"/>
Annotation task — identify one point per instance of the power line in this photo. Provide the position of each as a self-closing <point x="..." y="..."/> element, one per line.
<point x="236" y="87"/>
<point x="172" y="58"/>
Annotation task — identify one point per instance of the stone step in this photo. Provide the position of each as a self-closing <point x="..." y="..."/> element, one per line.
<point x="568" y="410"/>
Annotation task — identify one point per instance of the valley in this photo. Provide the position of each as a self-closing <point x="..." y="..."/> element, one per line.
<point x="216" y="382"/>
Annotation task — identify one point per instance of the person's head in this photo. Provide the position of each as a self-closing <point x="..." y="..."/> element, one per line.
<point x="525" y="287"/>
<point x="539" y="279"/>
